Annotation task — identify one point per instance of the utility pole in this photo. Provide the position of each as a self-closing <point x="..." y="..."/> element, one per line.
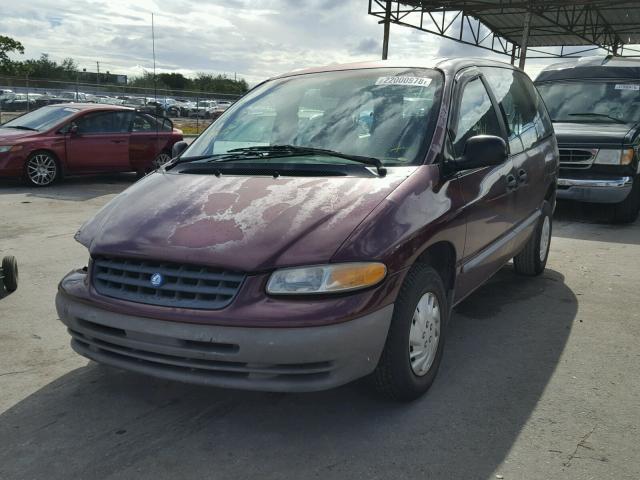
<point x="153" y="46"/>
<point x="97" y="78"/>
<point x="387" y="24"/>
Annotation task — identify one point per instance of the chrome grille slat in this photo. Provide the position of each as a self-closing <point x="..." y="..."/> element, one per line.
<point x="577" y="158"/>
<point x="184" y="286"/>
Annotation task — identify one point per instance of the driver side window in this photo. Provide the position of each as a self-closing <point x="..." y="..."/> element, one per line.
<point x="476" y="116"/>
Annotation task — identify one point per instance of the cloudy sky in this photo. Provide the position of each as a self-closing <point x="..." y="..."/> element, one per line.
<point x="253" y="38"/>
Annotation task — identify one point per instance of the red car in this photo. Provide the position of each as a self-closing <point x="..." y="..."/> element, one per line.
<point x="42" y="145"/>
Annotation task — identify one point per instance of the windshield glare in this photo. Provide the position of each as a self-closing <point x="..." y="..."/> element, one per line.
<point x="43" y="118"/>
<point x="389" y="114"/>
<point x="617" y="99"/>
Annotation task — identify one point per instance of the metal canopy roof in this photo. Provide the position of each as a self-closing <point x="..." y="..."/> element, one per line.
<point x="512" y="26"/>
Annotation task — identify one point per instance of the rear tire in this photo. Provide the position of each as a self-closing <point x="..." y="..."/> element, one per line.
<point x="532" y="260"/>
<point x="627" y="211"/>
<point x="413" y="350"/>
<point x="10" y="273"/>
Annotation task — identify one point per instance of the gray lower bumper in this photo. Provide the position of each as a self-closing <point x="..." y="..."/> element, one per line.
<point x="273" y="359"/>
<point x="612" y="190"/>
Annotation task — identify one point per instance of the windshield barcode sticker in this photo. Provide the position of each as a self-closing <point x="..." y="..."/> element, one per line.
<point x="627" y="86"/>
<point x="407" y="81"/>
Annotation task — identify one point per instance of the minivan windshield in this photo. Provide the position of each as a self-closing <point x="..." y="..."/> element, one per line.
<point x="41" y="119"/>
<point x="588" y="101"/>
<point x="385" y="113"/>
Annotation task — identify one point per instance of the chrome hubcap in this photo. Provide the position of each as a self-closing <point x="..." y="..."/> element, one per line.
<point x="545" y="238"/>
<point x="424" y="335"/>
<point x="161" y="160"/>
<point x="42" y="169"/>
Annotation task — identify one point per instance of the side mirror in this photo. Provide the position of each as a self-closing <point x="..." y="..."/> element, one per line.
<point x="482" y="151"/>
<point x="178" y="148"/>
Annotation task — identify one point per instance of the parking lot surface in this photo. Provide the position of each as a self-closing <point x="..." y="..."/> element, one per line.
<point x="539" y="378"/>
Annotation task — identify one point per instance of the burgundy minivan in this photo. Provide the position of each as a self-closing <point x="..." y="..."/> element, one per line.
<point x="321" y="230"/>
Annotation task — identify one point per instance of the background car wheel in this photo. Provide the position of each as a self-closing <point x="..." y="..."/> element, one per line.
<point x="161" y="159"/>
<point x="413" y="350"/>
<point x="627" y="211"/>
<point x="10" y="273"/>
<point x="41" y="169"/>
<point x="532" y="260"/>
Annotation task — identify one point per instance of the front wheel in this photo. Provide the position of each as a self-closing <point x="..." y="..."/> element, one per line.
<point x="413" y="350"/>
<point x="532" y="260"/>
<point x="41" y="169"/>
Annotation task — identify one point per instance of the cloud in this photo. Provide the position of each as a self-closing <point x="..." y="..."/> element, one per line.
<point x="255" y="39"/>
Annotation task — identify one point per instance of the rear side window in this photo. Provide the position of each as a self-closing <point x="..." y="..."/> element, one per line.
<point x="520" y="105"/>
<point x="475" y="117"/>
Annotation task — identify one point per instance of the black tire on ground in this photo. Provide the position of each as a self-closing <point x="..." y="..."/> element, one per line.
<point x="532" y="260"/>
<point x="394" y="376"/>
<point x="10" y="273"/>
<point x="41" y="169"/>
<point x="627" y="211"/>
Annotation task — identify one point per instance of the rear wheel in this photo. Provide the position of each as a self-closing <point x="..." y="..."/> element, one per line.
<point x="532" y="260"/>
<point x="627" y="211"/>
<point x="41" y="169"/>
<point x="161" y="159"/>
<point x="413" y="350"/>
<point x="10" y="273"/>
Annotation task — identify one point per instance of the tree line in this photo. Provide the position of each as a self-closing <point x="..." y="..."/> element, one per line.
<point x="68" y="70"/>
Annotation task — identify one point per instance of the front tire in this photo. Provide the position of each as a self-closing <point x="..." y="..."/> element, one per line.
<point x="10" y="273"/>
<point x="627" y="211"/>
<point x="41" y="169"/>
<point x="413" y="350"/>
<point x="532" y="260"/>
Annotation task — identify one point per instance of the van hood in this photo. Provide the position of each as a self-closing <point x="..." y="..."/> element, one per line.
<point x="241" y="223"/>
<point x="593" y="134"/>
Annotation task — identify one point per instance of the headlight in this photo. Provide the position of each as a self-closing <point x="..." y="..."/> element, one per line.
<point x="340" y="277"/>
<point x="5" y="148"/>
<point x="614" y="157"/>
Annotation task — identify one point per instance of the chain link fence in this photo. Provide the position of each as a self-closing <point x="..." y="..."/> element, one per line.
<point x="191" y="111"/>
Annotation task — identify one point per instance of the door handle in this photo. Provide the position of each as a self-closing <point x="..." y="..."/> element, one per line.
<point x="117" y="141"/>
<point x="512" y="183"/>
<point x="523" y="176"/>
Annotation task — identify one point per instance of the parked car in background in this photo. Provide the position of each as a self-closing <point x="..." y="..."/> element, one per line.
<point x="595" y="107"/>
<point x="222" y="105"/>
<point x="288" y="248"/>
<point x="42" y="145"/>
<point x="73" y="96"/>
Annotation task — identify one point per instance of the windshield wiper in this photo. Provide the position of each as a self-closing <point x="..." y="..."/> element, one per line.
<point x="20" y="127"/>
<point x="279" y="151"/>
<point x="590" y="114"/>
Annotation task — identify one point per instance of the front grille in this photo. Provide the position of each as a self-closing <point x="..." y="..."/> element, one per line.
<point x="185" y="286"/>
<point x="576" y="158"/>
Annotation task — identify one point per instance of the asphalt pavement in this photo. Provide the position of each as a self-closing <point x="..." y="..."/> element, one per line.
<point x="539" y="378"/>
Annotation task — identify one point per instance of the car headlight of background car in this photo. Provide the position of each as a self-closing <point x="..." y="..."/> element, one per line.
<point x="614" y="157"/>
<point x="318" y="279"/>
<point x="10" y="148"/>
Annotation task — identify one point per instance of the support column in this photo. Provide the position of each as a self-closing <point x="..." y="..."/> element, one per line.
<point x="525" y="39"/>
<point x="513" y="54"/>
<point x="387" y="24"/>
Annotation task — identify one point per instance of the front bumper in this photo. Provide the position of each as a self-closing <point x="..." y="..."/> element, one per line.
<point x="601" y="190"/>
<point x="272" y="359"/>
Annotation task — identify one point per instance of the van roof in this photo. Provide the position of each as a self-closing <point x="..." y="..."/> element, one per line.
<point x="592" y="68"/>
<point x="448" y="65"/>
